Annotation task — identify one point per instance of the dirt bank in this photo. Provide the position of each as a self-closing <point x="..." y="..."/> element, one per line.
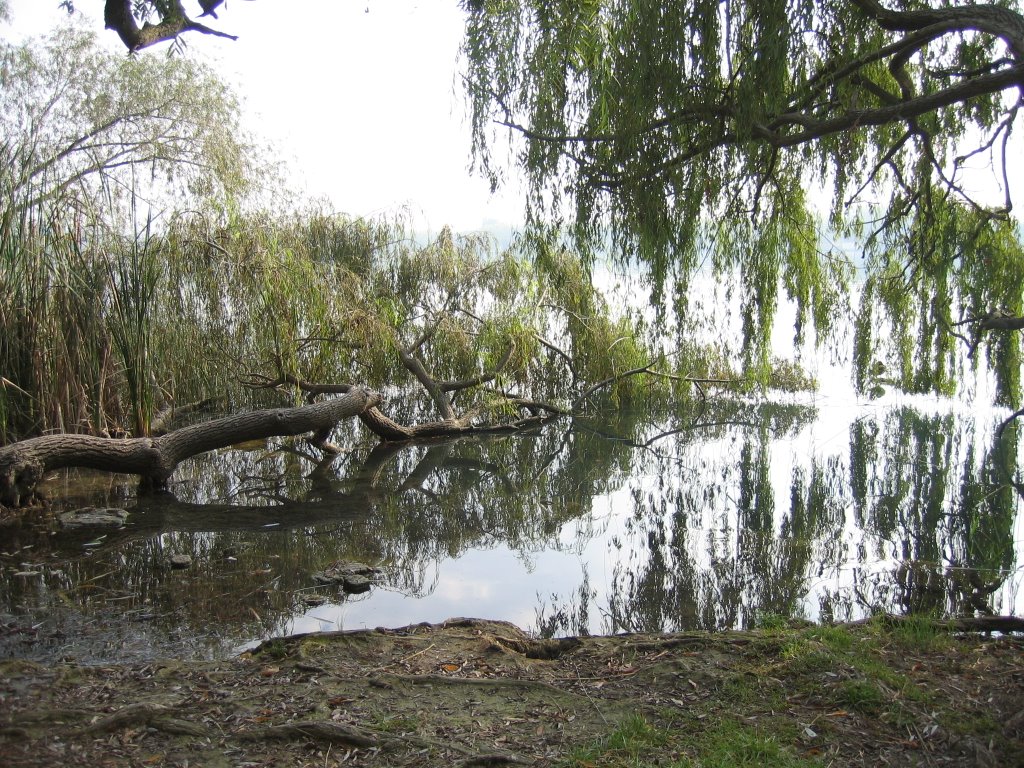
<point x="472" y="692"/>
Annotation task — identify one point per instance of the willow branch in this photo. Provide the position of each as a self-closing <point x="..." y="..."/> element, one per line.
<point x="484" y="378"/>
<point x="118" y="16"/>
<point x="646" y="369"/>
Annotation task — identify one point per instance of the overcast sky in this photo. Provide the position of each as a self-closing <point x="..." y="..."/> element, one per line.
<point x="359" y="96"/>
<point x="361" y="100"/>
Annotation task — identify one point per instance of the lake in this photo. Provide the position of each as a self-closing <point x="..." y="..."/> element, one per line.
<point x="719" y="515"/>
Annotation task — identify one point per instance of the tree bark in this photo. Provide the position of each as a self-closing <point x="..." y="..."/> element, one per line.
<point x="995" y="322"/>
<point x="389" y="430"/>
<point x="450" y="425"/>
<point x="23" y="464"/>
<point x="118" y="16"/>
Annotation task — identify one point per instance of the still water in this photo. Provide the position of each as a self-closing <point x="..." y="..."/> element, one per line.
<point x="715" y="516"/>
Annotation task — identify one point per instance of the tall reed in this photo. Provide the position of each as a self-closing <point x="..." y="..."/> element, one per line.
<point x="104" y="322"/>
<point x="55" y="360"/>
<point x="133" y="276"/>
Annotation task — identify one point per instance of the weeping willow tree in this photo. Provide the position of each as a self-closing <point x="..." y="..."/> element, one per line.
<point x="738" y="138"/>
<point x="731" y="137"/>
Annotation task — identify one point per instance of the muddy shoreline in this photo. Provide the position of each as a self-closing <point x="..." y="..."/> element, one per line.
<point x="475" y="692"/>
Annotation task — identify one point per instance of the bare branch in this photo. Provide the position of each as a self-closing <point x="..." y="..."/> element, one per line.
<point x="649" y="370"/>
<point x="562" y="354"/>
<point x="118" y="16"/>
<point x="484" y="378"/>
<point x="415" y="366"/>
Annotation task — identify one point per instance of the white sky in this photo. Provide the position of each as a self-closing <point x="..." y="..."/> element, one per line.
<point x="359" y="97"/>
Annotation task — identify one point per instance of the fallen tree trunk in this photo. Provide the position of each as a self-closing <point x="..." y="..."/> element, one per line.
<point x="23" y="464"/>
<point x="391" y="431"/>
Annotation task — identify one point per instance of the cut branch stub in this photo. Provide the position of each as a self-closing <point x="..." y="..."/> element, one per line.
<point x="23" y="464"/>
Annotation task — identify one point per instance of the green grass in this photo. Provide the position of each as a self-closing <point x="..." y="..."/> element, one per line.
<point x="732" y="744"/>
<point x="693" y="744"/>
<point x="920" y="633"/>
<point x="760" y="711"/>
<point x="838" y="639"/>
<point x="630" y="744"/>
<point x="862" y="696"/>
<point x="395" y="724"/>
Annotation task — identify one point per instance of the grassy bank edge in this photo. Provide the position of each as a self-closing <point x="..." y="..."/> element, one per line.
<point x="801" y="696"/>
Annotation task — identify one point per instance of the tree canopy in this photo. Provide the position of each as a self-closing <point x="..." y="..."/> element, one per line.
<point x="698" y="132"/>
<point x="730" y="137"/>
<point x="78" y="122"/>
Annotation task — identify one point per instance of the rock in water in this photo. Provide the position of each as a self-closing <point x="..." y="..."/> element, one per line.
<point x="94" y="517"/>
<point x="353" y="577"/>
<point x="180" y="561"/>
<point x="356" y="584"/>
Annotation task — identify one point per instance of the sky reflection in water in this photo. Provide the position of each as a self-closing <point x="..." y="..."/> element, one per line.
<point x="601" y="525"/>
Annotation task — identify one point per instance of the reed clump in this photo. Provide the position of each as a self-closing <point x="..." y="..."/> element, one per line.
<point x="106" y="326"/>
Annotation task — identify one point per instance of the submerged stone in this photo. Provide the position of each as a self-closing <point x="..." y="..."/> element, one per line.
<point x="356" y="584"/>
<point x="353" y="577"/>
<point x="97" y="517"/>
<point x="180" y="561"/>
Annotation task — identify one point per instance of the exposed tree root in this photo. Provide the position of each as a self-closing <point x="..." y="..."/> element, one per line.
<point x="538" y="649"/>
<point x="338" y="733"/>
<point x="488" y="682"/>
<point x="654" y="643"/>
<point x="485" y="760"/>
<point x="331" y="733"/>
<point x="153" y="715"/>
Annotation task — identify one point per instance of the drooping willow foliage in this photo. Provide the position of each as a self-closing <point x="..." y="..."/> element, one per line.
<point x="136" y="273"/>
<point x="925" y="275"/>
<point x="104" y="331"/>
<point x="736" y="137"/>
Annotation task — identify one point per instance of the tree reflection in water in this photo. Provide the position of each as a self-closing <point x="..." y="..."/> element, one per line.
<point x="916" y="518"/>
<point x="710" y="519"/>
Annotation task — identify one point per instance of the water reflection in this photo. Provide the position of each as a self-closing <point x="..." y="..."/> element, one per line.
<point x="706" y="519"/>
<point x="916" y="518"/>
